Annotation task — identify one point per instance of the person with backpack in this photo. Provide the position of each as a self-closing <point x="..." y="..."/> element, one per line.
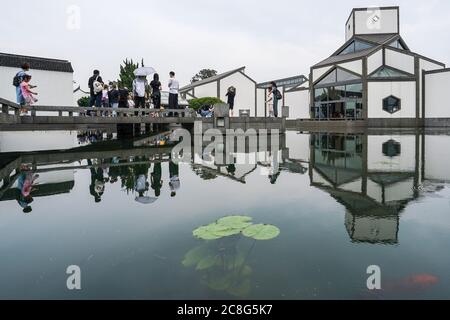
<point x="18" y="78"/>
<point x="95" y="84"/>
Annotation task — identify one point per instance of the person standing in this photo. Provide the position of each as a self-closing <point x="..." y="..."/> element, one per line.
<point x="95" y="84"/>
<point x="105" y="98"/>
<point x="18" y="78"/>
<point x="231" y="94"/>
<point x="139" y="86"/>
<point x="28" y="95"/>
<point x="123" y="97"/>
<point x="276" y="95"/>
<point x="156" y="91"/>
<point x="114" y="98"/>
<point x="174" y="173"/>
<point x="174" y="86"/>
<point x="269" y="102"/>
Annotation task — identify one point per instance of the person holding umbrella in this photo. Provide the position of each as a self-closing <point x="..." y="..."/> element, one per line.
<point x="140" y="85"/>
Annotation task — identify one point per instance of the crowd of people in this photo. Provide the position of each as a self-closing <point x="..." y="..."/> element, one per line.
<point x="142" y="94"/>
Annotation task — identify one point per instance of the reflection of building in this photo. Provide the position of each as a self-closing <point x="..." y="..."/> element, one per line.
<point x="373" y="177"/>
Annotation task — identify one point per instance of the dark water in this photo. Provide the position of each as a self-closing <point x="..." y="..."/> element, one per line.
<point x="341" y="203"/>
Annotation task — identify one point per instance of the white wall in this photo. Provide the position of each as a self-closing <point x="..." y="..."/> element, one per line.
<point x="349" y="28"/>
<point x="388" y="22"/>
<point x="261" y="99"/>
<point x="436" y="84"/>
<point x="298" y="103"/>
<point x="355" y="66"/>
<point x="301" y="151"/>
<point x="377" y="161"/>
<point x="245" y="92"/>
<point x="437" y="155"/>
<point x="20" y="141"/>
<point x="206" y="90"/>
<point x="405" y="90"/>
<point x="374" y="61"/>
<point x="400" y="61"/>
<point x="54" y="88"/>
<point x="427" y="66"/>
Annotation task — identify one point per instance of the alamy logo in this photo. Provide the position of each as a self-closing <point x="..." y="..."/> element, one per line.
<point x="73" y="17"/>
<point x="74" y="280"/>
<point x="374" y="280"/>
<point x="374" y="18"/>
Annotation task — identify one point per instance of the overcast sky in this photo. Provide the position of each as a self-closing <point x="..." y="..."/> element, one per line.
<point x="273" y="39"/>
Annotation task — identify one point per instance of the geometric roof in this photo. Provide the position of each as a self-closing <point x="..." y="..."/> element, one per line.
<point x="36" y="63"/>
<point x="213" y="79"/>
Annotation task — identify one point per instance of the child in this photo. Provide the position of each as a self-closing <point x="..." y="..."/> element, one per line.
<point x="28" y="98"/>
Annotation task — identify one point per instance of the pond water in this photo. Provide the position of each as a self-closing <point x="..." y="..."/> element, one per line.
<point x="341" y="203"/>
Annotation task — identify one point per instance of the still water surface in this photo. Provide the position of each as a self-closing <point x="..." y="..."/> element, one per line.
<point x="341" y="203"/>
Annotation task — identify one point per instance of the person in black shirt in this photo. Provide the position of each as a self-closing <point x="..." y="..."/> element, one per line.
<point x="156" y="91"/>
<point x="114" y="97"/>
<point x="96" y="98"/>
<point x="231" y="94"/>
<point x="123" y="97"/>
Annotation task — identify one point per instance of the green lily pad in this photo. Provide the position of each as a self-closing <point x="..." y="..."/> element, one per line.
<point x="205" y="233"/>
<point x="235" y="222"/>
<point x="215" y="231"/>
<point x="261" y="232"/>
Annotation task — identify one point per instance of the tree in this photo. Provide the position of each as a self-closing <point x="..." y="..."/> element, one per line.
<point x="204" y="74"/>
<point x="126" y="75"/>
<point x="83" y="102"/>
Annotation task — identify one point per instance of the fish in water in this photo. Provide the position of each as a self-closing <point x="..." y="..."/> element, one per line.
<point x="411" y="283"/>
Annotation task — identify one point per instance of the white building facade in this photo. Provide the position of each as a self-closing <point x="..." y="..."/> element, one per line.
<point x="374" y="75"/>
<point x="53" y="78"/>
<point x="217" y="86"/>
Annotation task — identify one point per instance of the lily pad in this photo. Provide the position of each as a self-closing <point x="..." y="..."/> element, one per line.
<point x="205" y="233"/>
<point x="261" y="232"/>
<point x="235" y="222"/>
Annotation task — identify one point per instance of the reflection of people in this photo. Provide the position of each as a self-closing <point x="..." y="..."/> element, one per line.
<point x="97" y="187"/>
<point x="141" y="185"/>
<point x="274" y="171"/>
<point x="174" y="178"/>
<point x="231" y="169"/>
<point x="156" y="179"/>
<point x="25" y="185"/>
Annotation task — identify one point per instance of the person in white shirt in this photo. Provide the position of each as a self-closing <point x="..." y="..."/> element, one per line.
<point x="174" y="86"/>
<point x="139" y="87"/>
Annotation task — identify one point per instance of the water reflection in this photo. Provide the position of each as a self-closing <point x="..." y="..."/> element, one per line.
<point x="334" y="196"/>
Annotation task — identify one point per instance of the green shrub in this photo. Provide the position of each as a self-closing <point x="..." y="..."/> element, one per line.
<point x="84" y="102"/>
<point x="197" y="104"/>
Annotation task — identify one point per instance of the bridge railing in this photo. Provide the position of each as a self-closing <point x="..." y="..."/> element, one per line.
<point x="8" y="106"/>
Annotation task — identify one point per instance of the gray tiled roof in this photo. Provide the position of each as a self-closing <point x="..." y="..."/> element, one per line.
<point x="378" y="38"/>
<point x="36" y="63"/>
<point x="211" y="79"/>
<point x="346" y="57"/>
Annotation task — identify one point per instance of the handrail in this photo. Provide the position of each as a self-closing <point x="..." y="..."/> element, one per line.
<point x="8" y="103"/>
